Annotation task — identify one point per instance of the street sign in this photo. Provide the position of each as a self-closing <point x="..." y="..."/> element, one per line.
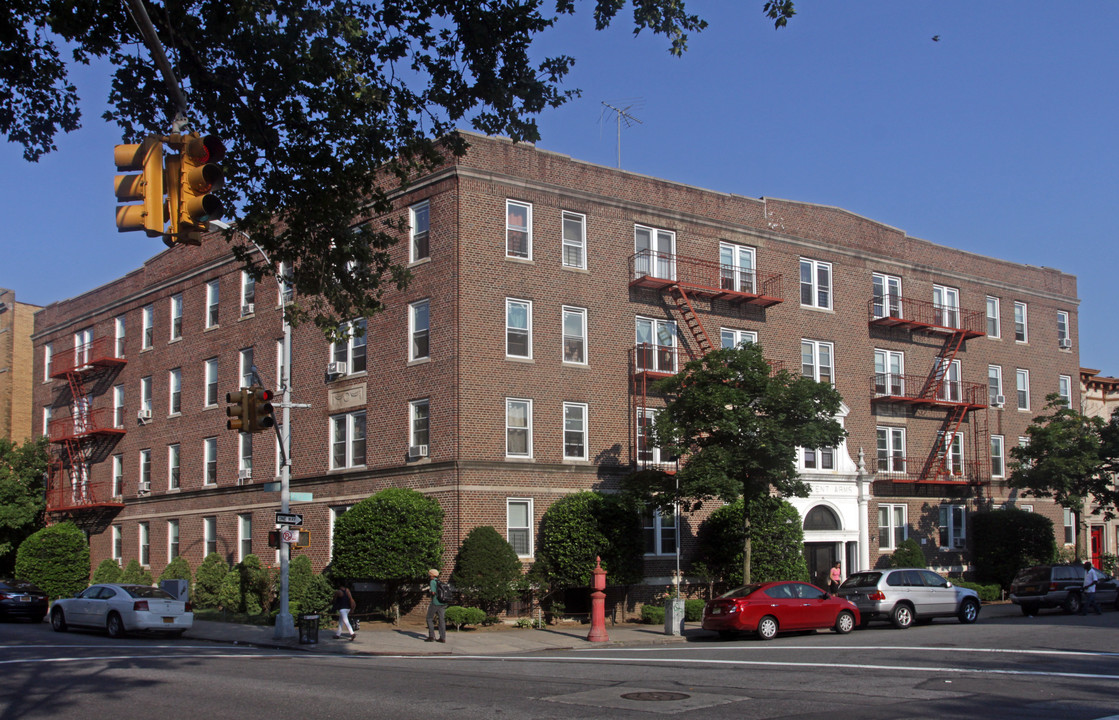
<point x="290" y="536"/>
<point x="270" y="487"/>
<point x="288" y="519"/>
<point x="301" y="497"/>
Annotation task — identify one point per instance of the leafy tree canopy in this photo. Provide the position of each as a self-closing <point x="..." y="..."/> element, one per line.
<point x="21" y="495"/>
<point x="487" y="570"/>
<point x="393" y="536"/>
<point x="325" y="105"/>
<point x="56" y="559"/>
<point x="778" y="534"/>
<point x="580" y="527"/>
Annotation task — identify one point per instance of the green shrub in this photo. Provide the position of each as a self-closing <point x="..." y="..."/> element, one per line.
<point x="987" y="592"/>
<point x="246" y="588"/>
<point x="1006" y="541"/>
<point x="459" y="616"/>
<point x="177" y="569"/>
<point x="135" y="574"/>
<point x="776" y="549"/>
<point x="908" y="554"/>
<point x="486" y="570"/>
<point x="693" y="609"/>
<point x="581" y="526"/>
<point x="652" y="614"/>
<point x="107" y="572"/>
<point x="318" y="597"/>
<point x="56" y="559"/>
<point x="208" y="582"/>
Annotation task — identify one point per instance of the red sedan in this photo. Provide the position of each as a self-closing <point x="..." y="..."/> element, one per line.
<point x="770" y="608"/>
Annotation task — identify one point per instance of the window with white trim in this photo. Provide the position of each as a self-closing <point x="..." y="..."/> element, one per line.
<point x="336" y="511"/>
<point x="953" y="452"/>
<point x="647" y="452"/>
<point x="210" y="461"/>
<point x="815" y="284"/>
<point x="574" y="335"/>
<point x="518" y="230"/>
<point x="144" y="543"/>
<point x="212" y="303"/>
<point x="951" y="389"/>
<point x="48" y="355"/>
<point x="886" y="291"/>
<point x="574" y="244"/>
<point x="946" y="306"/>
<point x="518" y="328"/>
<point x="731" y="338"/>
<point x="1070" y="526"/>
<point x="245" y="452"/>
<point x="118" y="544"/>
<point x="118" y="406"/>
<point x="47" y="411"/>
<point x="659" y="531"/>
<point x="1063" y="336"/>
<point x="953" y="527"/>
<point x="518" y="427"/>
<point x="994" y="324"/>
<point x="1023" y="383"/>
<point x="419" y="423"/>
<point x="244" y="536"/>
<point x="175" y="391"/>
<point x="279" y="365"/>
<point x="518" y="525"/>
<point x="347" y="440"/>
<point x="1020" y="329"/>
<point x="994" y="386"/>
<point x="818" y="458"/>
<point x="145" y="469"/>
<point x="287" y="283"/>
<point x="998" y="456"/>
<point x="817" y="360"/>
<point x="656" y="345"/>
<point x="147" y="315"/>
<point x="210" y="372"/>
<point x="889" y="373"/>
<point x="83" y="347"/>
<point x="419" y="217"/>
<point x="173" y="463"/>
<point x="118" y="475"/>
<point x="146" y="394"/>
<point x="891" y="449"/>
<point x="118" y="330"/>
<point x="248" y="294"/>
<point x="352" y="349"/>
<point x="172" y="540"/>
<point x="574" y="431"/>
<point x="655" y="253"/>
<point x="737" y="271"/>
<point x="893" y="528"/>
<point x="176" y="317"/>
<point x="1064" y="389"/>
<point x="245" y="367"/>
<point x="419" y="330"/>
<point x="209" y="535"/>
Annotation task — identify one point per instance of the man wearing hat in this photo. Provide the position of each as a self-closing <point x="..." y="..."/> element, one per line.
<point x="435" y="607"/>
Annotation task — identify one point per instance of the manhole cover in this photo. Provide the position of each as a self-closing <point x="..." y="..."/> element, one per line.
<point x="655" y="696"/>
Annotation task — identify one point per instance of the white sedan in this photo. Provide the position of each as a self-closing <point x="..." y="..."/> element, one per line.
<point x="122" y="609"/>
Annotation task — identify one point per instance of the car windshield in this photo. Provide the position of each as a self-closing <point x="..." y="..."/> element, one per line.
<point x="862" y="580"/>
<point x="1033" y="575"/>
<point x="738" y="592"/>
<point x="139" y="591"/>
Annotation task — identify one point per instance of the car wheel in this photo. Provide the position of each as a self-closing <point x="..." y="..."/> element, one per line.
<point x="845" y="623"/>
<point x="1073" y="604"/>
<point x="727" y="634"/>
<point x="902" y="616"/>
<point x="969" y="611"/>
<point x="767" y="627"/>
<point x="58" y="620"/>
<point x="115" y="626"/>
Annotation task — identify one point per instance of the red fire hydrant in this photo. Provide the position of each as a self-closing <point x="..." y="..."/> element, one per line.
<point x="598" y="604"/>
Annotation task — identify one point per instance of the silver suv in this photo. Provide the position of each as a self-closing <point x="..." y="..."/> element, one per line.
<point x="908" y="595"/>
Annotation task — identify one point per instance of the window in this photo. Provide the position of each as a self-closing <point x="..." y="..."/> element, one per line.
<point x="118" y="328"/>
<point x="816" y="360"/>
<point x="518" y="428"/>
<point x="891" y="449"/>
<point x="574" y="335"/>
<point x="145" y="470"/>
<point x="83" y="347"/>
<point x="994" y="327"/>
<point x="146" y="394"/>
<point x="730" y="338"/>
<point x="518" y="230"/>
<point x="420" y="218"/>
<point x="352" y="349"/>
<point x="46" y="419"/>
<point x="647" y="453"/>
<point x="118" y="544"/>
<point x="574" y="431"/>
<point x="1064" y="340"/>
<point x="118" y="475"/>
<point x="209" y="536"/>
<point x="336" y="512"/>
<point x="172" y="540"/>
<point x="1023" y="378"/>
<point x="952" y="531"/>
<point x="118" y="406"/>
<point x="819" y="458"/>
<point x="279" y="364"/>
<point x="1070" y="527"/>
<point x="419" y="414"/>
<point x="887" y="295"/>
<point x="951" y="389"/>
<point x="892" y="528"/>
<point x="994" y="386"/>
<point x="347" y="440"/>
<point x="518" y="328"/>
<point x="889" y="373"/>
<point x="248" y="294"/>
<point x="212" y="304"/>
<point x="147" y="316"/>
<point x="998" y="456"/>
<point x="175" y="390"/>
<point x="287" y="285"/>
<point x="145" y="547"/>
<point x="176" y="317"/>
<point x="574" y="240"/>
<point x="736" y="268"/>
<point x="954" y="453"/>
<point x="656" y="345"/>
<point x="245" y="367"/>
<point x="1020" y="322"/>
<point x="419" y="323"/>
<point x="518" y="525"/>
<point x="210" y="461"/>
<point x="946" y="306"/>
<point x="1064" y="389"/>
<point x="245" y="452"/>
<point x="211" y="374"/>
<point x="48" y="353"/>
<point x="659" y="531"/>
<point x="655" y="253"/>
<point x="244" y="536"/>
<point x="173" y="466"/>
<point x="815" y="284"/>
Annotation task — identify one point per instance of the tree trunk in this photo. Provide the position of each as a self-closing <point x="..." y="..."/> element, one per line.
<point x="746" y="547"/>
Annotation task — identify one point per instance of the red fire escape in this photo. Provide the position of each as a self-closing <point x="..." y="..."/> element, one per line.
<point x="680" y="278"/>
<point x="940" y="391"/>
<point x="86" y="436"/>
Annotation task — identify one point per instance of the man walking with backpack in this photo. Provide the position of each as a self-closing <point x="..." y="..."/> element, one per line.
<point x="436" y="606"/>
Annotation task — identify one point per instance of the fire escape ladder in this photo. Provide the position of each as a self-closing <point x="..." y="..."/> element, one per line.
<point x="981" y="448"/>
<point x="952" y="345"/>
<point x="691" y="319"/>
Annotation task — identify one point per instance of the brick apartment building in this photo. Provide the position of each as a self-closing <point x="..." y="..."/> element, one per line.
<point x="1099" y="398"/>
<point x="17" y="321"/>
<point x="515" y="369"/>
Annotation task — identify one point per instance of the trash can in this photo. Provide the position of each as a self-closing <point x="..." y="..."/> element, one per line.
<point x="308" y="629"/>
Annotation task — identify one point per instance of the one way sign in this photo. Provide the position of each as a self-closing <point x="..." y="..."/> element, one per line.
<point x="288" y="519"/>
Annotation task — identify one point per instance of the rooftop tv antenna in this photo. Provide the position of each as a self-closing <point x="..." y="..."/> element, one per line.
<point x="622" y="114"/>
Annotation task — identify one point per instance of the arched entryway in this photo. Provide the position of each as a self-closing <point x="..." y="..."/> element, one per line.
<point x="820" y="556"/>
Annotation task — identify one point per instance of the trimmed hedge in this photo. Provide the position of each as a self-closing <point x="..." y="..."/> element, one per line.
<point x="693" y="609"/>
<point x="107" y="572"/>
<point x="460" y="616"/>
<point x="56" y="559"/>
<point x="652" y="614"/>
<point x="909" y="554"/>
<point x="987" y="592"/>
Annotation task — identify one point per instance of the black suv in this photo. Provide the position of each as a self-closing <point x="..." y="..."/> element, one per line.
<point x="1050" y="586"/>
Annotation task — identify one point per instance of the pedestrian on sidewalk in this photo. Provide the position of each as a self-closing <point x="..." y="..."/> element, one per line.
<point x="1091" y="579"/>
<point x="834" y="578"/>
<point x="343" y="604"/>
<point x="437" y="607"/>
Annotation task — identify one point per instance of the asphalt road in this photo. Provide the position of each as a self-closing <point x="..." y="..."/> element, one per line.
<point x="1054" y="666"/>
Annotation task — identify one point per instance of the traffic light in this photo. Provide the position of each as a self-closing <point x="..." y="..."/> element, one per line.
<point x="274" y="539"/>
<point x="238" y="410"/>
<point x="147" y="158"/>
<point x="261" y="410"/>
<point x="199" y="174"/>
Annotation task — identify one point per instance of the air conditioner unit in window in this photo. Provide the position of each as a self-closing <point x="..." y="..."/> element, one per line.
<point x="417" y="451"/>
<point x="1064" y="343"/>
<point x="145" y="487"/>
<point x="336" y="368"/>
<point x="1000" y="400"/>
<point x="247" y="309"/>
<point x="144" y="415"/>
<point x="244" y="476"/>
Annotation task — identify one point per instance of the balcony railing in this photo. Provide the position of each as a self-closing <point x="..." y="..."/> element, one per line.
<point x="101" y="353"/>
<point x="652" y="269"/>
<point x="84" y="424"/>
<point x="924" y="390"/>
<point x="912" y="470"/>
<point x="889" y="311"/>
<point x="664" y="360"/>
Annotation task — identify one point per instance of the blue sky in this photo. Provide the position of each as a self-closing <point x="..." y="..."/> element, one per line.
<point x="1000" y="138"/>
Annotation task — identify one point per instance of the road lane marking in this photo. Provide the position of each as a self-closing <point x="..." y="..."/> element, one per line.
<point x="1088" y="653"/>
<point x="107" y="658"/>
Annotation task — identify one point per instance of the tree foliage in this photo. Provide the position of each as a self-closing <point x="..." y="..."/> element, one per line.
<point x="908" y="554"/>
<point x="107" y="572"/>
<point x="208" y="581"/>
<point x="778" y="541"/>
<point x="177" y="569"/>
<point x="246" y="588"/>
<point x="393" y="537"/>
<point x="326" y="105"/>
<point x="737" y="425"/>
<point x="21" y="495"/>
<point x="580" y="527"/>
<point x="56" y="559"/>
<point x="136" y="574"/>
<point x="1006" y="541"/>
<point x="487" y="570"/>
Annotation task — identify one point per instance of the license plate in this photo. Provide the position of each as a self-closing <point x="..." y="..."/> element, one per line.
<point x="717" y="611"/>
<point x="25" y="598"/>
<point x="168" y="620"/>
